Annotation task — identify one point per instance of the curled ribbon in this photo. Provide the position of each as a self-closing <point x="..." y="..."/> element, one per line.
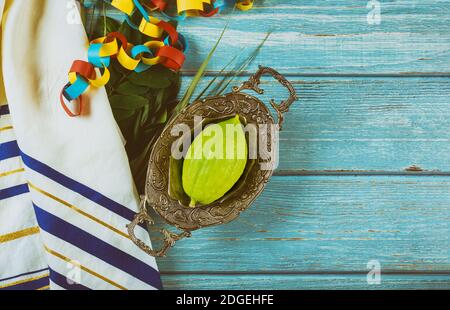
<point x="245" y="5"/>
<point x="168" y="51"/>
<point x="184" y="8"/>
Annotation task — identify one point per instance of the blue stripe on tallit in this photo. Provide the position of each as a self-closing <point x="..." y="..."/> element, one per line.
<point x="97" y="247"/>
<point x="27" y="286"/>
<point x="4" y="110"/>
<point x="23" y="274"/>
<point x="63" y="282"/>
<point x="77" y="187"/>
<point x="14" y="191"/>
<point x="9" y="150"/>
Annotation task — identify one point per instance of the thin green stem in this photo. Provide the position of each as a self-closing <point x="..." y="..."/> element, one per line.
<point x="249" y="60"/>
<point x="217" y="76"/>
<point x="104" y="19"/>
<point x="92" y="21"/>
<point x="200" y="73"/>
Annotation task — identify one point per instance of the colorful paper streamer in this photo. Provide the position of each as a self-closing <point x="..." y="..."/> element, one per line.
<point x="168" y="51"/>
<point x="166" y="46"/>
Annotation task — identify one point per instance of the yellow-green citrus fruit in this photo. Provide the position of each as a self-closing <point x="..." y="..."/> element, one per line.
<point x="215" y="162"/>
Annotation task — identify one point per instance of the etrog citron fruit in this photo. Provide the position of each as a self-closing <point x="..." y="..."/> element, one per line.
<point x="215" y="162"/>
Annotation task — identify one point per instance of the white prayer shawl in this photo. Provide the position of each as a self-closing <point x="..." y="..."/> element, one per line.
<point x="66" y="191"/>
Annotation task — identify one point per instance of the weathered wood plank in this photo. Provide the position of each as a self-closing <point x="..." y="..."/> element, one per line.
<point x="364" y="124"/>
<point x="303" y="282"/>
<point x="343" y="125"/>
<point x="323" y="223"/>
<point x="331" y="37"/>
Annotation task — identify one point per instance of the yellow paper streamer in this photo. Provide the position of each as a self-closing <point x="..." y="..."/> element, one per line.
<point x="126" y="60"/>
<point x="191" y="5"/>
<point x="152" y="45"/>
<point x="108" y="49"/>
<point x="126" y="6"/>
<point x="100" y="82"/>
<point x="151" y="29"/>
<point x="245" y="5"/>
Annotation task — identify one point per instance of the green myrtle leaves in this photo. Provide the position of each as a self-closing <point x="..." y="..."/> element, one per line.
<point x="142" y="103"/>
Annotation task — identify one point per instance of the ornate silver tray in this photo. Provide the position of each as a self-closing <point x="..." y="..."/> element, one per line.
<point x="163" y="169"/>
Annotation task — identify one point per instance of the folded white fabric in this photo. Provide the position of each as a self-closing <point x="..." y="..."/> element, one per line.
<point x="74" y="189"/>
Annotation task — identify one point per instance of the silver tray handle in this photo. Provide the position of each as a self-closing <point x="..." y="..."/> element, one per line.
<point x="254" y="82"/>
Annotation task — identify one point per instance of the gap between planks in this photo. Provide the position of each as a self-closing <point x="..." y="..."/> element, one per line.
<point x="360" y="173"/>
<point x="280" y="272"/>
<point x="328" y="75"/>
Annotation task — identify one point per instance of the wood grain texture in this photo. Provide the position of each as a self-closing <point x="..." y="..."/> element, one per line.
<point x="330" y="37"/>
<point x="304" y="282"/>
<point x="364" y="158"/>
<point x="326" y="223"/>
<point x="363" y="125"/>
<point x="317" y="37"/>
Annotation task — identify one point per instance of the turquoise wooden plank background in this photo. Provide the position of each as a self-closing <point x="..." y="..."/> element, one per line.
<point x="365" y="164"/>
